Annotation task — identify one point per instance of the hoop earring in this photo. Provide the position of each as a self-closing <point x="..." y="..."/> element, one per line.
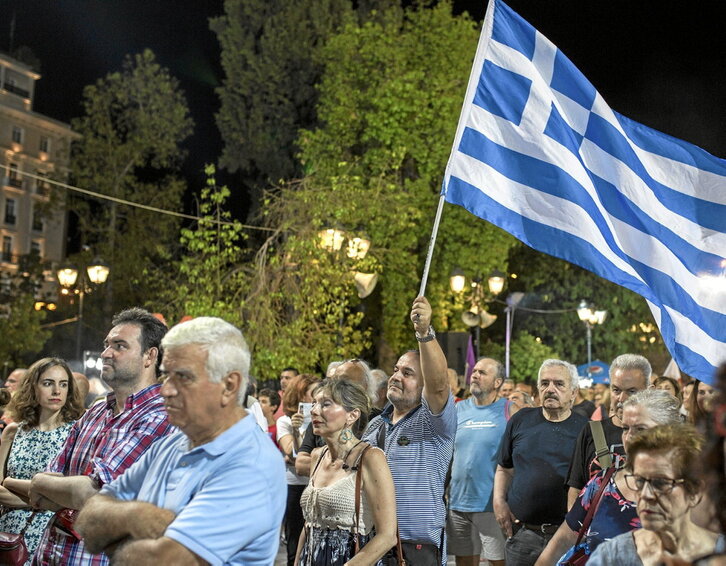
<point x="346" y="435"/>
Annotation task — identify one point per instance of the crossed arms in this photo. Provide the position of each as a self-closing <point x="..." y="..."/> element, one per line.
<point x="132" y="532"/>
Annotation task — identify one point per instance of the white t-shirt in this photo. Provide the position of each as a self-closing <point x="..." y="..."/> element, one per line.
<point x="284" y="427"/>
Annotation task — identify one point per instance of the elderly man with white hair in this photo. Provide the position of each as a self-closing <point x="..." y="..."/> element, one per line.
<point x="214" y="492"/>
<point x="529" y="484"/>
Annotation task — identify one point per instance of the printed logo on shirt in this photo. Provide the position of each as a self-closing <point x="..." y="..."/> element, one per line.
<point x="479" y="424"/>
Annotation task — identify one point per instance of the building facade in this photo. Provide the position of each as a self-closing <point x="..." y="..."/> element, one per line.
<point x="33" y="148"/>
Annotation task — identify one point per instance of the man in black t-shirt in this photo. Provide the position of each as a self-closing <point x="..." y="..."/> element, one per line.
<point x="529" y="485"/>
<point x="629" y="374"/>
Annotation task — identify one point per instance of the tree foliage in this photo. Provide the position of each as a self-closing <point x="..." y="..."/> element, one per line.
<point x="389" y="104"/>
<point x="389" y="100"/>
<point x="268" y="93"/>
<point x="20" y="324"/>
<point x="209" y="279"/>
<point x="133" y="124"/>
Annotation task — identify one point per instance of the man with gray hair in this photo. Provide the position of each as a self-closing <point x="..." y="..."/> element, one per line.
<point x="529" y="494"/>
<point x="213" y="492"/>
<point x="629" y="374"/>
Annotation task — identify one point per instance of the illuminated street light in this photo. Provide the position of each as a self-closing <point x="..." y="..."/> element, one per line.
<point x="590" y="318"/>
<point x="96" y="272"/>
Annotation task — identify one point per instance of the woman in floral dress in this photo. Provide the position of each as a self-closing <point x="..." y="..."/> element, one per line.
<point x="44" y="408"/>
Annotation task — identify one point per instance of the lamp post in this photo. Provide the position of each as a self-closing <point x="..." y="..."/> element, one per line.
<point x="476" y="316"/>
<point x="68" y="277"/>
<point x="590" y="318"/>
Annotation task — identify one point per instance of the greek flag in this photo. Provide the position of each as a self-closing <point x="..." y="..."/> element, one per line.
<point x="540" y="154"/>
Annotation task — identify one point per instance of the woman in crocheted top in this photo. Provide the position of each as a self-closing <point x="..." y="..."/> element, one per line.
<point x="332" y="527"/>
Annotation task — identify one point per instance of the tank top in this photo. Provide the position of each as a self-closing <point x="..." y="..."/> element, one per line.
<point x="333" y="506"/>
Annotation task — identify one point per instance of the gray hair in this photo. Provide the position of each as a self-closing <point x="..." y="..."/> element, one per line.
<point x="371" y="383"/>
<point x="332" y="366"/>
<point x="226" y="348"/>
<point x="632" y="362"/>
<point x="662" y="407"/>
<point x="499" y="368"/>
<point x="571" y="370"/>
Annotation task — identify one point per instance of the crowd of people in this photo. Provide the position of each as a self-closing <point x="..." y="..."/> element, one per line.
<point x="355" y="467"/>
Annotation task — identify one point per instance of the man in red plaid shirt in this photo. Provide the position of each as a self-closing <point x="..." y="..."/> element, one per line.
<point x="110" y="437"/>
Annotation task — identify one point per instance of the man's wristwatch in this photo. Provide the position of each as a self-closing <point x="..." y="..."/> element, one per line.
<point x="430" y="335"/>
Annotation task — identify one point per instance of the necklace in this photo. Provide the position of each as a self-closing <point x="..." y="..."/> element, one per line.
<point x="345" y="466"/>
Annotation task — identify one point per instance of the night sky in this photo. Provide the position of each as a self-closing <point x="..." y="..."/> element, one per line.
<point x="660" y="66"/>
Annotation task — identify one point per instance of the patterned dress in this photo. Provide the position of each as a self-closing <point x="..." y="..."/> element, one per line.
<point x="31" y="452"/>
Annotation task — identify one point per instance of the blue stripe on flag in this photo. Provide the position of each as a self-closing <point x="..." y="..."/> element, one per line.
<point x="622" y="208"/>
<point x="672" y="148"/>
<point x="502" y="92"/>
<point x="514" y="31"/>
<point x="571" y="82"/>
<point x="562" y="133"/>
<point x="708" y="214"/>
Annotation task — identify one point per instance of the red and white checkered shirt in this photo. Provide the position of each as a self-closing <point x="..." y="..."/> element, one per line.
<point x="102" y="445"/>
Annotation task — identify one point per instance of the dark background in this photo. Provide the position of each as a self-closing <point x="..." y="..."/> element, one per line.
<point x="660" y="66"/>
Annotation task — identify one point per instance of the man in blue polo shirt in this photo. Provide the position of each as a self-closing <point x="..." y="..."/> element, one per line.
<point x="481" y="420"/>
<point x="416" y="431"/>
<point x="214" y="492"/>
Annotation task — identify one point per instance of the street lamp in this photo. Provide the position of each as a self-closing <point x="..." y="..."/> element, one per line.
<point x="590" y="318"/>
<point x="476" y="316"/>
<point x="68" y="277"/>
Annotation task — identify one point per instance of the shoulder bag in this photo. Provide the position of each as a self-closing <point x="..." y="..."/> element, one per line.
<point x="580" y="553"/>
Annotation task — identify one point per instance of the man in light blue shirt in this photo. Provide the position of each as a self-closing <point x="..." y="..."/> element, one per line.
<point x="481" y="420"/>
<point x="212" y="493"/>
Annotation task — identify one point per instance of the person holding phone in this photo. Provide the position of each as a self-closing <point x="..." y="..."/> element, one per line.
<point x="289" y="435"/>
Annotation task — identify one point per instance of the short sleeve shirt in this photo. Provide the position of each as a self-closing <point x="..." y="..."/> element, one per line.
<point x="479" y="431"/>
<point x="418" y="449"/>
<point x="228" y="495"/>
<point x="539" y="451"/>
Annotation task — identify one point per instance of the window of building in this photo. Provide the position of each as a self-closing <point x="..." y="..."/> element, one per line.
<point x="7" y="251"/>
<point x="10" y="213"/>
<point x="36" y="248"/>
<point x="42" y="186"/>
<point x="17" y="134"/>
<point x="14" y="179"/>
<point x="44" y="144"/>
<point x="37" y="220"/>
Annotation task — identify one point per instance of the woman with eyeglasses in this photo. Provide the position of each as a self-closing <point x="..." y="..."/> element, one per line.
<point x="656" y="470"/>
<point x="615" y="514"/>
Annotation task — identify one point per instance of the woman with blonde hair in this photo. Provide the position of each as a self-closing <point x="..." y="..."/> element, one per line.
<point x="44" y="408"/>
<point x="350" y="503"/>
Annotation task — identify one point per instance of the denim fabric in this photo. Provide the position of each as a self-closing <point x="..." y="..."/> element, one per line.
<point x="524" y="547"/>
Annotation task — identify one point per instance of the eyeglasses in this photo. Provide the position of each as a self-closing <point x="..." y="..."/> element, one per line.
<point x="660" y="486"/>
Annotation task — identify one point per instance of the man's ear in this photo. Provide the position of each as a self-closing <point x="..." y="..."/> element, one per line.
<point x="231" y="384"/>
<point x="501" y="382"/>
<point x="152" y="354"/>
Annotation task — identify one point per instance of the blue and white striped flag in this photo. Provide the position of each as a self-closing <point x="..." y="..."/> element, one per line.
<point x="539" y="153"/>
